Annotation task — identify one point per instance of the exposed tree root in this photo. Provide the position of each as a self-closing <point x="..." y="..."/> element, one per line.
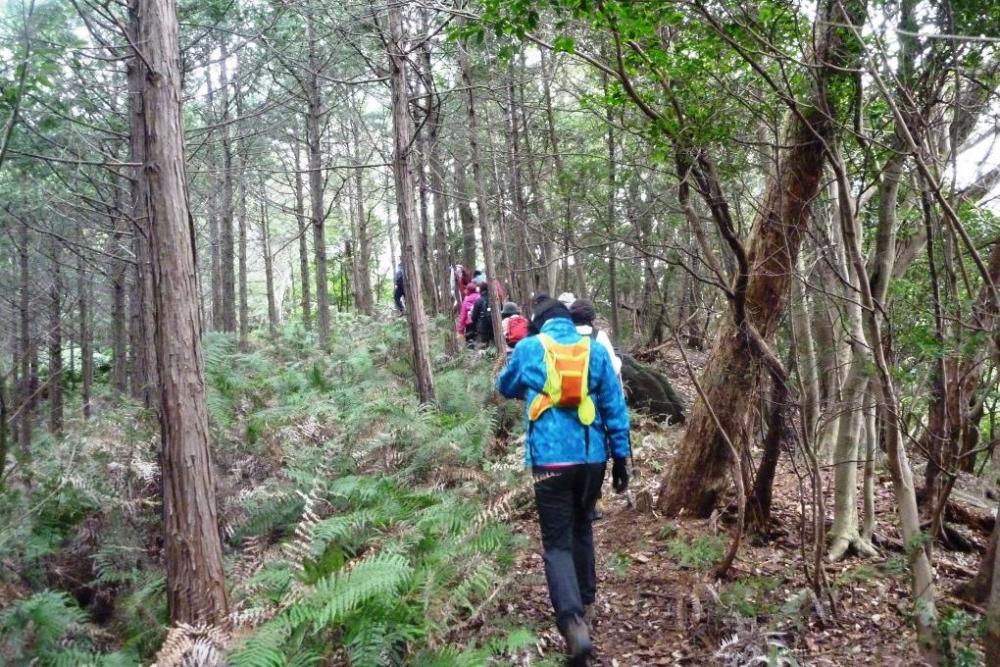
<point x="841" y="545"/>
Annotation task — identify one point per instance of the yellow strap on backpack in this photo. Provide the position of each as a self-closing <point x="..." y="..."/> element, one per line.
<point x="566" y="367"/>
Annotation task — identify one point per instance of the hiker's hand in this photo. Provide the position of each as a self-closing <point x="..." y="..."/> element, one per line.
<point x="619" y="476"/>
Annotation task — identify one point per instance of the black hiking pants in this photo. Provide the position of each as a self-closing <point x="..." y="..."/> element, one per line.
<point x="565" y="498"/>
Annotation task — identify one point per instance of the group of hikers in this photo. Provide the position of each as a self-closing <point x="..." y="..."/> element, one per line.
<point x="568" y="374"/>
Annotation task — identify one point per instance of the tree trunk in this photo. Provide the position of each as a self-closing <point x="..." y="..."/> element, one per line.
<point x="480" y="183"/>
<point x="211" y="161"/>
<point x="241" y="216"/>
<point x="25" y="347"/>
<point x="227" y="248"/>
<point x="364" y="252"/>
<point x="86" y="340"/>
<point x="265" y="245"/>
<point x="415" y="315"/>
<point x="428" y="267"/>
<point x="701" y="469"/>
<point x="435" y="168"/>
<point x="196" y="591"/>
<point x="805" y="351"/>
<point x="776" y="436"/>
<point x="146" y="382"/>
<point x="313" y="130"/>
<point x="119" y="341"/>
<point x="300" y="219"/>
<point x="465" y="216"/>
<point x="55" y="388"/>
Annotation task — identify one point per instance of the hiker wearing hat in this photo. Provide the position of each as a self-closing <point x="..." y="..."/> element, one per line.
<point x="567" y="383"/>
<point x="583" y="314"/>
<point x="515" y="325"/>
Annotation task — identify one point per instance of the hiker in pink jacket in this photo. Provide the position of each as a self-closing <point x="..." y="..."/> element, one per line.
<point x="464" y="324"/>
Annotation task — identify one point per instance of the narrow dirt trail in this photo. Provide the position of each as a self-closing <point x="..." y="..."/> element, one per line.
<point x="657" y="603"/>
<point x="655" y="607"/>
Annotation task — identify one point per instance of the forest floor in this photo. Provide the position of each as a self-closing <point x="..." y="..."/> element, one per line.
<point x="658" y="605"/>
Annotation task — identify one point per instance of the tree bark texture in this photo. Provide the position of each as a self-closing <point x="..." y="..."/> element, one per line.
<point x="415" y="314"/>
<point x="480" y="184"/>
<point x="196" y="591"/>
<point x="701" y="468"/>
<point x="55" y="388"/>
<point x="314" y="117"/>
<point x="145" y="381"/>
<point x="25" y="346"/>
<point x="227" y="247"/>
<point x="301" y="223"/>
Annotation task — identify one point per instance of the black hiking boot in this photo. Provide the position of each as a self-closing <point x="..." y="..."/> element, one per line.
<point x="578" y="643"/>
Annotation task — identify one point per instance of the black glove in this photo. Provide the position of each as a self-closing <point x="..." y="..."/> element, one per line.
<point x="619" y="475"/>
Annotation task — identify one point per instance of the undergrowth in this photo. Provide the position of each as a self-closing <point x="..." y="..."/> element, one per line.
<point x="361" y="526"/>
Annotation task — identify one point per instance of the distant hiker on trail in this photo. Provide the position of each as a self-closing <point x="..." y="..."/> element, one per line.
<point x="566" y="383"/>
<point x="464" y="325"/>
<point x="398" y="294"/>
<point x="478" y="277"/>
<point x="515" y="325"/>
<point x="482" y="316"/>
<point x="583" y="314"/>
<point x="567" y="299"/>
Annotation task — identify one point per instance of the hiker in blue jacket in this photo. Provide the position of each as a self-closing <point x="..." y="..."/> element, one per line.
<point x="567" y="420"/>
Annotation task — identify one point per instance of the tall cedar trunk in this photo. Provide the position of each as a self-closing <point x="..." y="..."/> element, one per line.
<point x="146" y="383"/>
<point x="428" y="266"/>
<point x="119" y="341"/>
<point x="241" y="216"/>
<point x="480" y="183"/>
<point x="465" y="216"/>
<point x="211" y="161"/>
<point x="227" y="248"/>
<point x="435" y="168"/>
<point x="612" y="223"/>
<point x="196" y="591"/>
<point x="545" y="247"/>
<point x="300" y="219"/>
<point x="364" y="251"/>
<point x="265" y="246"/>
<point x="55" y="388"/>
<point x="569" y="242"/>
<point x="415" y="314"/>
<point x="318" y="217"/>
<point x="523" y="260"/>
<point x="25" y="399"/>
<point x="86" y="341"/>
<point x="730" y="379"/>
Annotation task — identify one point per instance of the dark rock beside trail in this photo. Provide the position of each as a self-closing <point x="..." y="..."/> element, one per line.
<point x="648" y="390"/>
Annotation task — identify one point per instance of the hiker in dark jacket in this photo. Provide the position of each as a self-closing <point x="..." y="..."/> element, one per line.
<point x="482" y="316"/>
<point x="397" y="295"/>
<point x="567" y="466"/>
